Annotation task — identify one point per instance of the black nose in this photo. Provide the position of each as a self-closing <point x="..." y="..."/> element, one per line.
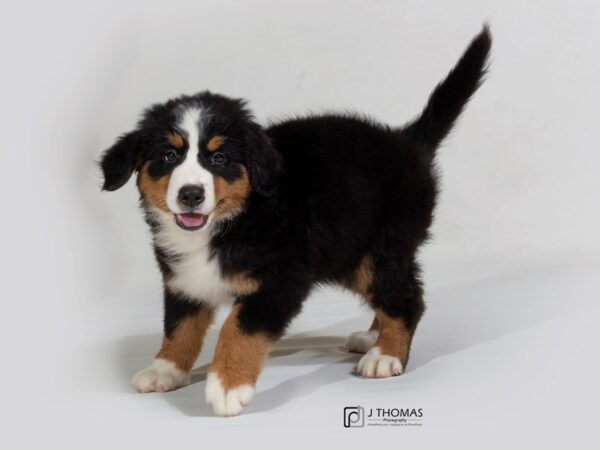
<point x="191" y="195"/>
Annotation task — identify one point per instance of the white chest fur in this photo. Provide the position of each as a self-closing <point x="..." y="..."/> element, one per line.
<point x="195" y="274"/>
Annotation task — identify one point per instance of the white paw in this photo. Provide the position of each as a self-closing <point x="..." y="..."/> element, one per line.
<point x="161" y="376"/>
<point x="361" y="341"/>
<point x="375" y="365"/>
<point x="227" y="403"/>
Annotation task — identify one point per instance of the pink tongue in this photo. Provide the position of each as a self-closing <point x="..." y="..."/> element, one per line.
<point x="191" y="220"/>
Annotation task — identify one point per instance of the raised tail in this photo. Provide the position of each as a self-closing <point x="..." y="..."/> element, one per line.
<point x="450" y="96"/>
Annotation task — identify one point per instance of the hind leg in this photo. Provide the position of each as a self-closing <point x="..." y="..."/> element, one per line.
<point x="397" y="298"/>
<point x="362" y="341"/>
<point x="389" y="354"/>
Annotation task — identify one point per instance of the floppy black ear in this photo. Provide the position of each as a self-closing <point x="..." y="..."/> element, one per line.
<point x="119" y="161"/>
<point x="264" y="162"/>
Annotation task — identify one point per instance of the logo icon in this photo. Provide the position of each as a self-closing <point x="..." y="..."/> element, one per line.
<point x="354" y="416"/>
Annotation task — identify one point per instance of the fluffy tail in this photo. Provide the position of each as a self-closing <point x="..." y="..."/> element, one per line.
<point x="450" y="96"/>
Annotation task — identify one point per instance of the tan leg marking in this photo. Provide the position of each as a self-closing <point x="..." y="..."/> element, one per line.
<point x="360" y="282"/>
<point x="153" y="191"/>
<point x="238" y="360"/>
<point x="184" y="344"/>
<point x="231" y="196"/>
<point x="242" y="283"/>
<point x="394" y="337"/>
<point x="239" y="357"/>
<point x="361" y="279"/>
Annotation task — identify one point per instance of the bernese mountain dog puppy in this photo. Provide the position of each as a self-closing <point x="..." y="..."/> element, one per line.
<point x="256" y="217"/>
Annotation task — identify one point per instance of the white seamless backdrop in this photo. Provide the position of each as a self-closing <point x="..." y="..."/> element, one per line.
<point x="505" y="352"/>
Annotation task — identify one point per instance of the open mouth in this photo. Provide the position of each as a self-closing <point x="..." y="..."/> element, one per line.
<point x="191" y="221"/>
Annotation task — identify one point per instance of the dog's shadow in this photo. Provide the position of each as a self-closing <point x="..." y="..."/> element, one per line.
<point x="459" y="316"/>
<point x="315" y="349"/>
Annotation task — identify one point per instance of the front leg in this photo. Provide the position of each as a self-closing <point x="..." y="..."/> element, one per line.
<point x="238" y="360"/>
<point x="254" y="324"/>
<point x="185" y="326"/>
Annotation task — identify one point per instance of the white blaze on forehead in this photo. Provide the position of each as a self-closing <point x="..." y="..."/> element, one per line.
<point x="190" y="171"/>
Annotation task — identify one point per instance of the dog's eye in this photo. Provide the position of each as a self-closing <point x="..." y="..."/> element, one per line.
<point x="218" y="159"/>
<point x="170" y="156"/>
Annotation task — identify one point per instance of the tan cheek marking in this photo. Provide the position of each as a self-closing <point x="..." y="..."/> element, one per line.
<point x="242" y="283"/>
<point x="175" y="140"/>
<point x="231" y="197"/>
<point x="215" y="143"/>
<point x="183" y="346"/>
<point x="239" y="357"/>
<point x="153" y="191"/>
<point x="361" y="280"/>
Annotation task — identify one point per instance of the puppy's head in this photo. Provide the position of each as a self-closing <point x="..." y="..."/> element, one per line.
<point x="198" y="159"/>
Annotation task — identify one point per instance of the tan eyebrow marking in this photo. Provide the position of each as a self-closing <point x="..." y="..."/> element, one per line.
<point x="215" y="142"/>
<point x="176" y="140"/>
